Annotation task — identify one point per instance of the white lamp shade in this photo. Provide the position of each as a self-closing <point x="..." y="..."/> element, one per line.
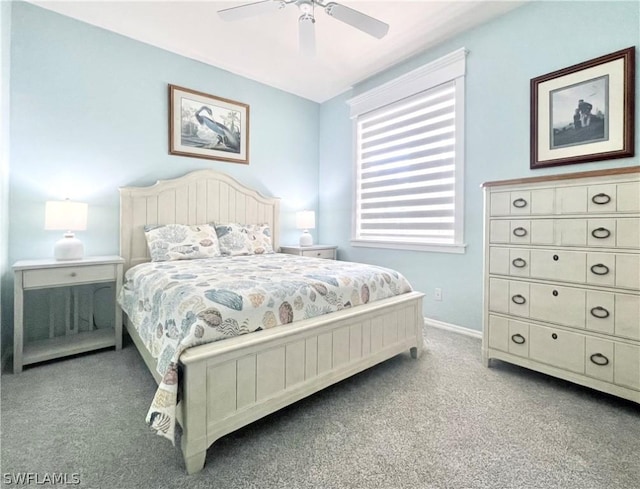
<point x="305" y="220"/>
<point x="65" y="216"/>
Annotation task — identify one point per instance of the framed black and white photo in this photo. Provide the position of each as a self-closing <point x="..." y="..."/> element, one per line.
<point x="584" y="112"/>
<point x="206" y="126"/>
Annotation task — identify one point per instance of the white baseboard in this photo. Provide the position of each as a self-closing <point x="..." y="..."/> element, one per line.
<point x="453" y="327"/>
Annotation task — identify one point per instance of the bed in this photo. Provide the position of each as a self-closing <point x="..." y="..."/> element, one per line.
<point x="230" y="383"/>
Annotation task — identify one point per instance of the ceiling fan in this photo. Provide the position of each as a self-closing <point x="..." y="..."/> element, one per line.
<point x="306" y="21"/>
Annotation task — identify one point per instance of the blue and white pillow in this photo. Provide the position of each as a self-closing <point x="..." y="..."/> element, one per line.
<point x="234" y="239"/>
<point x="168" y="242"/>
<point x="260" y="236"/>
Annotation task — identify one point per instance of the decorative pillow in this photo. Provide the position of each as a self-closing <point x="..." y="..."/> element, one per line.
<point x="181" y="242"/>
<point x="234" y="239"/>
<point x="260" y="236"/>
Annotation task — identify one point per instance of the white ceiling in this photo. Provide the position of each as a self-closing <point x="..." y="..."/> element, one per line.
<point x="265" y="48"/>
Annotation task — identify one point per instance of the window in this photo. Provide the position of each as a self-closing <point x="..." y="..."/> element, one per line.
<point x="409" y="160"/>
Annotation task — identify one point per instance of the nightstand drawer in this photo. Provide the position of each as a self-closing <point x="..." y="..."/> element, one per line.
<point x="44" y="277"/>
<point x="329" y="254"/>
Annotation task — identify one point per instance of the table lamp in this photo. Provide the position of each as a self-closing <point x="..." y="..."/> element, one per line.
<point x="306" y="220"/>
<point x="66" y="216"/>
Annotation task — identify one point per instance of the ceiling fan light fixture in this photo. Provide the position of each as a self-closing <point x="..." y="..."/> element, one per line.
<point x="306" y="7"/>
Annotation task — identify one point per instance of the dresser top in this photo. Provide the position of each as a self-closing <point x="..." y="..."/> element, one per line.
<point x="564" y="176"/>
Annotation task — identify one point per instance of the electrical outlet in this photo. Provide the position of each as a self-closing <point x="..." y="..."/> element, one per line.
<point x="437" y="295"/>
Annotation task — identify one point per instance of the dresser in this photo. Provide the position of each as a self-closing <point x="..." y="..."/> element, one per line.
<point x="562" y="277"/>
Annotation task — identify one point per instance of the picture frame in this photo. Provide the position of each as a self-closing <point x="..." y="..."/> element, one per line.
<point x="585" y="112"/>
<point x="202" y="125"/>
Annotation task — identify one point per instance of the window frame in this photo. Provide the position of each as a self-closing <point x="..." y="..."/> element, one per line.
<point x="449" y="68"/>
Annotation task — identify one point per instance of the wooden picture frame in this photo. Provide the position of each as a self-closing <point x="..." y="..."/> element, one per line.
<point x="205" y="126"/>
<point x="585" y="112"/>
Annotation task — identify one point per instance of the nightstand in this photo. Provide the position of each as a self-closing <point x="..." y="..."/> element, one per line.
<point x="316" y="251"/>
<point x="50" y="273"/>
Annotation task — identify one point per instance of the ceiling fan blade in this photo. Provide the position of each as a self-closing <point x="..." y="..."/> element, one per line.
<point x="250" y="9"/>
<point x="307" y="35"/>
<point x="365" y="23"/>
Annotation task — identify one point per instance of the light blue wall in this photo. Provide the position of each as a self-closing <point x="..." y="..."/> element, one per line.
<point x="5" y="69"/>
<point x="504" y="55"/>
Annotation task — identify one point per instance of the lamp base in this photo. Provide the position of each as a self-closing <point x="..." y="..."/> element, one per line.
<point x="68" y="248"/>
<point x="306" y="239"/>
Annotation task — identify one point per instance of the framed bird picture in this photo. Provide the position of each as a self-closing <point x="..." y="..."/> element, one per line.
<point x="206" y="126"/>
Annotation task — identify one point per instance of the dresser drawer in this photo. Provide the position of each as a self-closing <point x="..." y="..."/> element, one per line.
<point x="509" y="297"/>
<point x="536" y="232"/>
<point x="604" y="233"/>
<point x="53" y="277"/>
<point x="593" y="268"/>
<point x="614" y="362"/>
<point x="328" y="254"/>
<point x="614" y="314"/>
<point x="557" y="348"/>
<point x="509" y="336"/>
<point x="509" y="261"/>
<point x="614" y="270"/>
<point x="522" y="202"/>
<point x="599" y="356"/>
<point x="603" y="312"/>
<point x="583" y="199"/>
<point x="603" y="198"/>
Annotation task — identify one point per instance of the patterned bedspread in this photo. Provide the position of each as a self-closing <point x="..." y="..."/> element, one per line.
<point x="179" y="304"/>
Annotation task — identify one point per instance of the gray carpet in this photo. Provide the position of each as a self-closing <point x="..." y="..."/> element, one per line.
<point x="443" y="421"/>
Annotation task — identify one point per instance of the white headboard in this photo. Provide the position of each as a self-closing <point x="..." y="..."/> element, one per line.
<point x="203" y="196"/>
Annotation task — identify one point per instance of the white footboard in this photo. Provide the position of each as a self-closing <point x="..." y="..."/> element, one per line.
<point x="229" y="384"/>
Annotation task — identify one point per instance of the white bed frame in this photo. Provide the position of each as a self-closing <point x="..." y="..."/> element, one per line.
<point x="231" y="383"/>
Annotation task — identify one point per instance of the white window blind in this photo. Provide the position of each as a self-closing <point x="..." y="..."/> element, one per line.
<point x="409" y="145"/>
<point x="406" y="169"/>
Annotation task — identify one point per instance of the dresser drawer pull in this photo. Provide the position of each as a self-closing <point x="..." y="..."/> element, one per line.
<point x="519" y="232"/>
<point x="519" y="263"/>
<point x="599" y="359"/>
<point x="518" y="339"/>
<point x="554" y="336"/>
<point x="556" y="257"/>
<point x="555" y="293"/>
<point x="318" y="254"/>
<point x="520" y="203"/>
<point x="73" y="274"/>
<point x="599" y="269"/>
<point x="601" y="233"/>
<point x="599" y="312"/>
<point x="600" y="199"/>
<point x="518" y="299"/>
